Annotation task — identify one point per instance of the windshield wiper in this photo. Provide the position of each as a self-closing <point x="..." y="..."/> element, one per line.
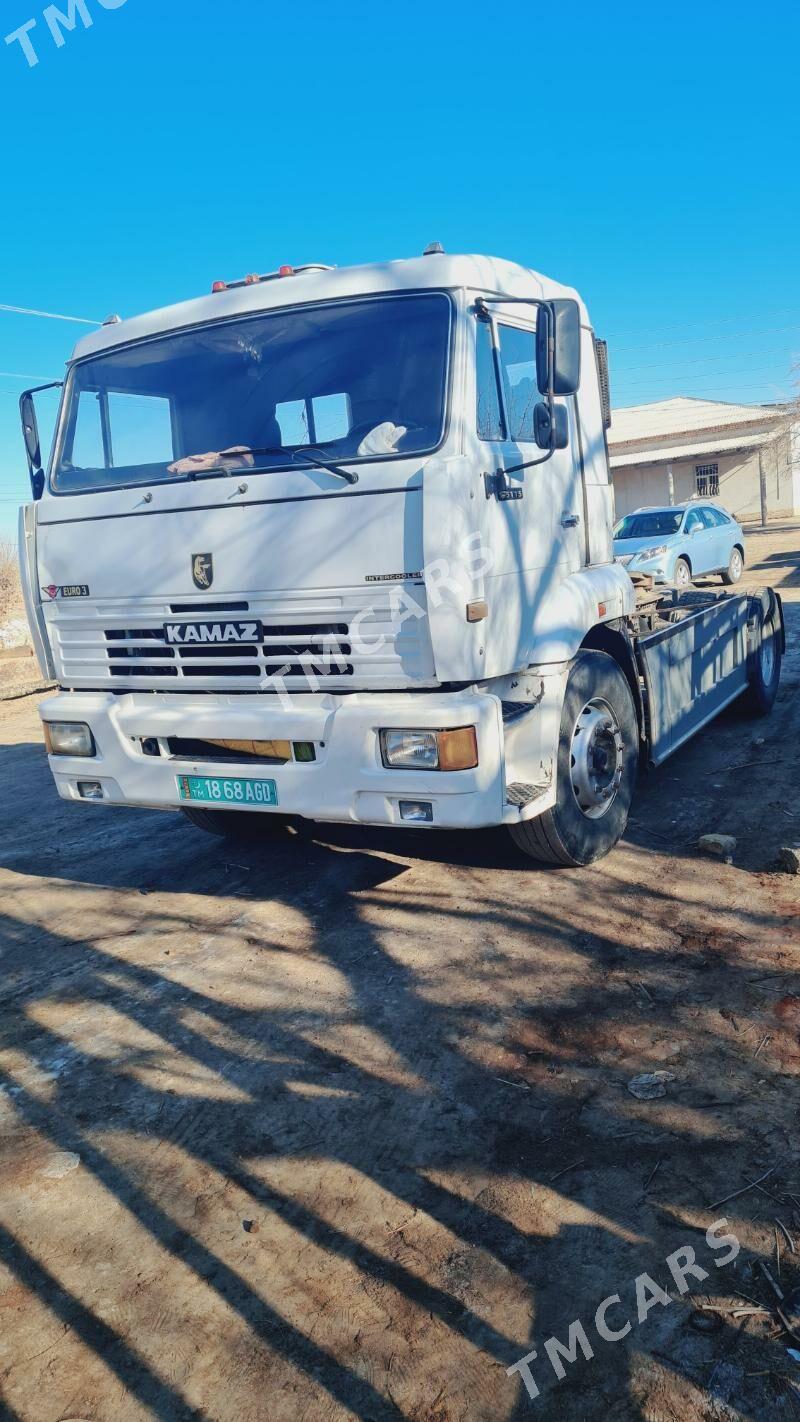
<point x="313" y="461"/>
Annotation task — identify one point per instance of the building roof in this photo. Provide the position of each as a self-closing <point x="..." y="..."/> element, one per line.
<point x="439" y="271"/>
<point x="683" y="428"/>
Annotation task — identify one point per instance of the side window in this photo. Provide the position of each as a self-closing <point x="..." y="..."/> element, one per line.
<point x="518" y="366"/>
<point x="141" y="429"/>
<point x="490" y="418"/>
<point x="718" y="518"/>
<point x="707" y="518"/>
<point x="693" y="521"/>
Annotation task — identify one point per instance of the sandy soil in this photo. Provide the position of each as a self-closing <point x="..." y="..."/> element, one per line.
<point x="339" y="1127"/>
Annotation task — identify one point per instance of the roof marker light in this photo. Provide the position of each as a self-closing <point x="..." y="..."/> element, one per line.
<point x="285" y="271"/>
<point x="219" y="286"/>
<point x="252" y="279"/>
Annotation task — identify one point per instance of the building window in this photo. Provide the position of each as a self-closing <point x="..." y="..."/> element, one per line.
<point x="706" y="480"/>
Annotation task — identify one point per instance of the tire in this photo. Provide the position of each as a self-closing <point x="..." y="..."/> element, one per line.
<point x="766" y="655"/>
<point x="598" y="759"/>
<point x="237" y="824"/>
<point x="734" y="569"/>
<point x="682" y="574"/>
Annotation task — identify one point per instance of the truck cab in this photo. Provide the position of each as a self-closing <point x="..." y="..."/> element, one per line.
<point x="327" y="543"/>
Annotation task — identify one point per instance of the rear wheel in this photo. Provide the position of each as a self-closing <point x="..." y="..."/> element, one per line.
<point x="237" y="824"/>
<point x="682" y="576"/>
<point x="598" y="759"/>
<point x="734" y="569"/>
<point x="765" y="657"/>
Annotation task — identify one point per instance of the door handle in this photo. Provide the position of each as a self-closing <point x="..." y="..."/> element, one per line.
<point x="570" y="520"/>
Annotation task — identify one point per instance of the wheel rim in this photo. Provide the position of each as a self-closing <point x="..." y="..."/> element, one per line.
<point x="736" y="564"/>
<point x="682" y="575"/>
<point x="766" y="653"/>
<point x="596" y="759"/>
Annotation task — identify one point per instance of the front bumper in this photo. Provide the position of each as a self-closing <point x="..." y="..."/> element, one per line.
<point x="346" y="783"/>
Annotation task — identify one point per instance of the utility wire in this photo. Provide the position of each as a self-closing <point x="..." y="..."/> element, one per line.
<point x="47" y="315"/>
<point x="18" y="375"/>
<point x="714" y="321"/>
<point x="698" y="340"/>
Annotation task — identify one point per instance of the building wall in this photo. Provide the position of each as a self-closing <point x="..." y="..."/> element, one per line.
<point x="739" y="490"/>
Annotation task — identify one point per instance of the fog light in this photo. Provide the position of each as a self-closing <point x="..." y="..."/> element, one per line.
<point x="90" y="790"/>
<point x="68" y="738"/>
<point x="430" y="750"/>
<point x="418" y="812"/>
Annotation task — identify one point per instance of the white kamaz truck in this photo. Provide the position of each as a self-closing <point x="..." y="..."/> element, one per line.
<point x="336" y="545"/>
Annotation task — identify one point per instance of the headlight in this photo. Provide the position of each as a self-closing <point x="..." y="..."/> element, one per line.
<point x="68" y="738"/>
<point x="652" y="552"/>
<point x="430" y="750"/>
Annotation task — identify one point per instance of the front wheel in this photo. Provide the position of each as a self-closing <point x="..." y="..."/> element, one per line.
<point x="598" y="758"/>
<point x="682" y="576"/>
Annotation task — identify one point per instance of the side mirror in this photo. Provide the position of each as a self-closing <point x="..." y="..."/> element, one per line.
<point x="30" y="434"/>
<point x="30" y="430"/>
<point x="550" y="433"/>
<point x="558" y="339"/>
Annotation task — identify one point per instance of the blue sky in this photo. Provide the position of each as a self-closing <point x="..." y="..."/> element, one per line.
<point x="648" y="156"/>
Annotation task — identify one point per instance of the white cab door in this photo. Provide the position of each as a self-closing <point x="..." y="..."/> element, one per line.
<point x="532" y="518"/>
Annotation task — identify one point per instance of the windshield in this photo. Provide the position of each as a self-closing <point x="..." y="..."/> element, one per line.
<point x="356" y="379"/>
<point x="646" y="525"/>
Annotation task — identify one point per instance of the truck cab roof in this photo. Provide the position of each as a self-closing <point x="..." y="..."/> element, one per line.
<point x="314" y="283"/>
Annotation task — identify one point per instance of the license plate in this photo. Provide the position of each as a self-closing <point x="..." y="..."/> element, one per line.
<point x="225" y="790"/>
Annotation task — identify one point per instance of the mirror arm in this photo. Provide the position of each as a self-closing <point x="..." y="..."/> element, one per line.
<point x="528" y="464"/>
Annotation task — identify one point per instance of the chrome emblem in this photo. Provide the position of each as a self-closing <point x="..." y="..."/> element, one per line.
<point x="202" y="570"/>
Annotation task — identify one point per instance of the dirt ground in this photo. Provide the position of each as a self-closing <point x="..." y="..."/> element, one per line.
<point x="339" y="1128"/>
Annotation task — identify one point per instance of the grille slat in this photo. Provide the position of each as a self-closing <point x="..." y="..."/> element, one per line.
<point x="324" y="647"/>
<point x="306" y="640"/>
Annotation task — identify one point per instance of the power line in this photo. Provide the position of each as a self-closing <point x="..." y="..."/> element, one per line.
<point x="697" y="340"/>
<point x="719" y="321"/>
<point x="47" y="315"/>
<point x="17" y="375"/>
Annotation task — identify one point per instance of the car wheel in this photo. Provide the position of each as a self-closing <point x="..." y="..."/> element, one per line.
<point x="734" y="569"/>
<point x="682" y="577"/>
<point x="598" y="759"/>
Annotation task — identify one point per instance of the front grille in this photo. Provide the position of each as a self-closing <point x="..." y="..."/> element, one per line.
<point x="314" y="639"/>
<point x="305" y="650"/>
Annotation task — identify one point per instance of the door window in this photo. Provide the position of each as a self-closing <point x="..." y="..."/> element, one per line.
<point x="718" y="518"/>
<point x="508" y="407"/>
<point x="693" y="521"/>
<point x="518" y="369"/>
<point x="490" y="415"/>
